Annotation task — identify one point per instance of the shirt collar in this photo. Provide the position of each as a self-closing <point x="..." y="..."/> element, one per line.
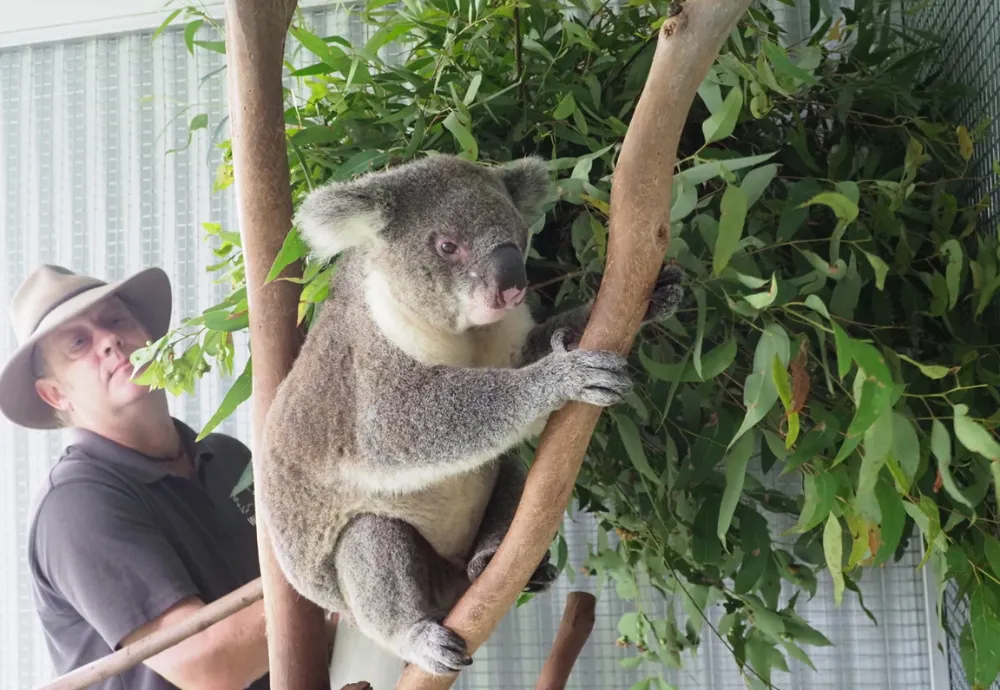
<point x="143" y="467"/>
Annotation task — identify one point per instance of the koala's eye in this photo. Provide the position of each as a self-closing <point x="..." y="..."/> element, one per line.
<point x="447" y="247"/>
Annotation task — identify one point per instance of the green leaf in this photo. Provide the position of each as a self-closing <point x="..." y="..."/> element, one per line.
<point x="833" y="549"/>
<point x="699" y="337"/>
<point x="933" y="371"/>
<point x="467" y="142"/>
<point x="226" y="321"/>
<point x="700" y="173"/>
<point x="782" y="64"/>
<point x="762" y="300"/>
<point x="992" y="548"/>
<point x="941" y="448"/>
<point x="759" y="391"/>
<point x="565" y="108"/>
<point x="779" y="372"/>
<point x="292" y="249"/>
<point x="893" y="521"/>
<point x="819" y="490"/>
<point x="845" y="209"/>
<point x="237" y="394"/>
<point x="816" y="304"/>
<point x="953" y="273"/>
<point x="245" y="481"/>
<point x="735" y="460"/>
<point x="470" y="93"/>
<point x="881" y="269"/>
<point x="629" y="434"/>
<point x="845" y="354"/>
<point x="756" y="182"/>
<point x="874" y="401"/>
<point x="166" y="22"/>
<point x="985" y="629"/>
<point x="723" y="123"/>
<point x="755" y="542"/>
<point x="796" y="652"/>
<point x="905" y="451"/>
<point x="732" y="215"/>
<point x="973" y="435"/>
<point x="714" y="362"/>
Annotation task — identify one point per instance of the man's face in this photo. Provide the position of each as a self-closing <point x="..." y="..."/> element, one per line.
<point x="86" y="362"/>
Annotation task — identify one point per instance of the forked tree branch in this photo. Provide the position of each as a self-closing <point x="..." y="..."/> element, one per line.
<point x="255" y="41"/>
<point x="638" y="237"/>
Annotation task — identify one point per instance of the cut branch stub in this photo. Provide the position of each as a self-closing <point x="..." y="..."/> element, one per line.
<point x="638" y="237"/>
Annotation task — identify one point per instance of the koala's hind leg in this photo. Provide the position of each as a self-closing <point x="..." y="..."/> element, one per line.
<point x="496" y="522"/>
<point x="399" y="590"/>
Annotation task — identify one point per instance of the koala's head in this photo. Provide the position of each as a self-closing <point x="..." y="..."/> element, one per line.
<point x="447" y="235"/>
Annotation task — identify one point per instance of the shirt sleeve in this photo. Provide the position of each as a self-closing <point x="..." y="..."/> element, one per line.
<point x="100" y="548"/>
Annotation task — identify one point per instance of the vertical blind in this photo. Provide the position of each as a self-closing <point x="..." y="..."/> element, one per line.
<point x="88" y="180"/>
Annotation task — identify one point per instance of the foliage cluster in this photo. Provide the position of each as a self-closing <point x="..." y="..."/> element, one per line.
<point x="838" y="332"/>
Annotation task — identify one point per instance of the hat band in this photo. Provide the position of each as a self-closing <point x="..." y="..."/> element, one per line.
<point x="67" y="297"/>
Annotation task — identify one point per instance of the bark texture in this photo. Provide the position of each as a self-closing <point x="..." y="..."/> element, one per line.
<point x="255" y="41"/>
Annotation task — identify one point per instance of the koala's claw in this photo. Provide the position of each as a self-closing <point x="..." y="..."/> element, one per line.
<point x="542" y="578"/>
<point x="667" y="294"/>
<point x="435" y="648"/>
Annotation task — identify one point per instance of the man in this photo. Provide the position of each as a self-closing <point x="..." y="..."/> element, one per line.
<point x="135" y="529"/>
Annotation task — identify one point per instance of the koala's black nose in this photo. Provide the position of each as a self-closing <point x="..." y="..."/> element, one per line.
<point x="508" y="268"/>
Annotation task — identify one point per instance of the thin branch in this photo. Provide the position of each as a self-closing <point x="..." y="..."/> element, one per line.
<point x="639" y="234"/>
<point x="154" y="643"/>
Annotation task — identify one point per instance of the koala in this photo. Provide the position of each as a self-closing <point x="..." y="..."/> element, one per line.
<point x="391" y="471"/>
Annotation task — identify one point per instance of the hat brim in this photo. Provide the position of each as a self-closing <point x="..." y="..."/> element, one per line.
<point x="148" y="295"/>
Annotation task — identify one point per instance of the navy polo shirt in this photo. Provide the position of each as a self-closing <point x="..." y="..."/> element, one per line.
<point x="115" y="541"/>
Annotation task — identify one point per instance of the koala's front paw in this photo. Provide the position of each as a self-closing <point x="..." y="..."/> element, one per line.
<point x="545" y="574"/>
<point x="597" y="377"/>
<point x="435" y="648"/>
<point x="667" y="294"/>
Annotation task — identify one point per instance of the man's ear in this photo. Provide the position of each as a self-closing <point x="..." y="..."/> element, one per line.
<point x="528" y="181"/>
<point x="49" y="391"/>
<point x="342" y="215"/>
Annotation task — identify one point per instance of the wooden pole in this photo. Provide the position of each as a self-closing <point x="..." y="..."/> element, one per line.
<point x="154" y="643"/>
<point x="255" y="41"/>
<point x="574" y="629"/>
<point x="638" y="236"/>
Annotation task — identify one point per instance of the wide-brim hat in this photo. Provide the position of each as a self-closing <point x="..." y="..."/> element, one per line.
<point x="48" y="298"/>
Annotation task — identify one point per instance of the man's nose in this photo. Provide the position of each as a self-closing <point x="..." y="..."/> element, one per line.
<point x="108" y="341"/>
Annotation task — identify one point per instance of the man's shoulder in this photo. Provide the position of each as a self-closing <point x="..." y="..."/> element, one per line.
<point x="76" y="474"/>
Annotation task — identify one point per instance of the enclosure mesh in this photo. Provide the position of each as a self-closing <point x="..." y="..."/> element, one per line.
<point x="970" y="53"/>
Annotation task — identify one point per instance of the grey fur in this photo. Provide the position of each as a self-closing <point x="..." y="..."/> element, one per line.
<point x="389" y="476"/>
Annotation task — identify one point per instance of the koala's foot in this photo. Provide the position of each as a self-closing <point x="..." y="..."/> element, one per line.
<point x="435" y="648"/>
<point x="667" y="294"/>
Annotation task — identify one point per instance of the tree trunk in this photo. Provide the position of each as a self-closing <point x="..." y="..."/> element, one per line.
<point x="638" y="236"/>
<point x="255" y="33"/>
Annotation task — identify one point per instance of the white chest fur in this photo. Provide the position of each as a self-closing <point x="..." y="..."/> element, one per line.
<point x="447" y="512"/>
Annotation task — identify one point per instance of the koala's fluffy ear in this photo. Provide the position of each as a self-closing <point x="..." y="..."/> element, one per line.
<point x="341" y="215"/>
<point x="528" y="182"/>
